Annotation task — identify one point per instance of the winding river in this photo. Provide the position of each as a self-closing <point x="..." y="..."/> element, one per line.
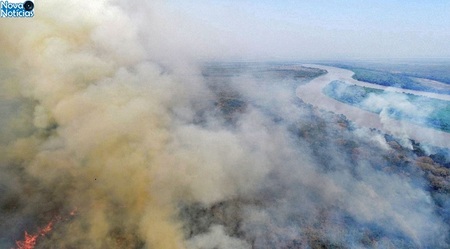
<point x="312" y="93"/>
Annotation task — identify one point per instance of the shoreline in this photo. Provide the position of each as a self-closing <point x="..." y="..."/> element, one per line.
<point x="311" y="93"/>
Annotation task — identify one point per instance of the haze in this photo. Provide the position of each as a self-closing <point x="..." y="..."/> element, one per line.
<point x="115" y="133"/>
<point x="318" y="29"/>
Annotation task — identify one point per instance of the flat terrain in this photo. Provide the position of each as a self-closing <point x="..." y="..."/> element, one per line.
<point x="312" y="94"/>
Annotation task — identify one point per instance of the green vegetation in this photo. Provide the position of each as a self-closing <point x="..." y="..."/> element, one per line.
<point x="349" y="94"/>
<point x="434" y="113"/>
<point x="400" y="75"/>
<point x="385" y="79"/>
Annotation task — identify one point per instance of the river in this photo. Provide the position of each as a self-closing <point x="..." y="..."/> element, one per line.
<point x="312" y="93"/>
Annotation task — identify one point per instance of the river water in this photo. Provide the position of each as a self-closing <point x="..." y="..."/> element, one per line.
<point x="312" y="93"/>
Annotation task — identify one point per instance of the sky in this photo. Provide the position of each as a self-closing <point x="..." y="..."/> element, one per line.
<point x="320" y="29"/>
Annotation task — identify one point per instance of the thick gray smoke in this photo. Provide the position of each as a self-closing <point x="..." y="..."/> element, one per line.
<point x="109" y="130"/>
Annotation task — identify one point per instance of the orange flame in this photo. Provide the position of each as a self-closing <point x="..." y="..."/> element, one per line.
<point x="29" y="242"/>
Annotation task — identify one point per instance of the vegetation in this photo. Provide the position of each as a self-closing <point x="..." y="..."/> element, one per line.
<point x="336" y="148"/>
<point x="437" y="112"/>
<point x="401" y="75"/>
<point x="386" y="79"/>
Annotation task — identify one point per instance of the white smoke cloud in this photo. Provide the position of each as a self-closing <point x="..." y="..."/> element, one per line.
<point x="112" y="118"/>
<point x="216" y="238"/>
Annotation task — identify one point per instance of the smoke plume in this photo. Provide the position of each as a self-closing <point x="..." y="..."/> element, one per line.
<point x="107" y="122"/>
